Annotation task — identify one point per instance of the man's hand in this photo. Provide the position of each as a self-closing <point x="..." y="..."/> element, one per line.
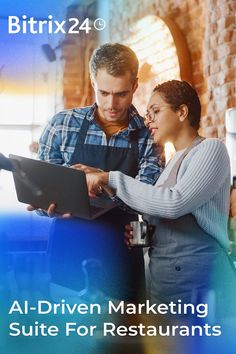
<point x="50" y="211"/>
<point x="86" y="169"/>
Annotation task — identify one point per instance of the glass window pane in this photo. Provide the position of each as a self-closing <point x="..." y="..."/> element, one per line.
<point x="15" y="142"/>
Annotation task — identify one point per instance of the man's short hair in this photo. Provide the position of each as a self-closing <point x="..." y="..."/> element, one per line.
<point x="116" y="58"/>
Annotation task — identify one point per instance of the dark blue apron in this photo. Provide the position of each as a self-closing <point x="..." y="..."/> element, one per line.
<point x="75" y="240"/>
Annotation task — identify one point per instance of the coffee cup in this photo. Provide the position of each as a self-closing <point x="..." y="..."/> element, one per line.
<point x="141" y="235"/>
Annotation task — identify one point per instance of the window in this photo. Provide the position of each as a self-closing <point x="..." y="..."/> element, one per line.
<point x="28" y="95"/>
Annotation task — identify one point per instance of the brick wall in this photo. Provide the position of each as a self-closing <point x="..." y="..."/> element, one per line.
<point x="76" y="52"/>
<point x="210" y="31"/>
<point x="219" y="63"/>
<point x="189" y="15"/>
<point x="209" y="27"/>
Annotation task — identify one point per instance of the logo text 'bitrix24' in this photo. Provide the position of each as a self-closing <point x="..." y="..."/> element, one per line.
<point x="25" y="25"/>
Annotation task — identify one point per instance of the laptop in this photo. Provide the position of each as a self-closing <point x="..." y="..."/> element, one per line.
<point x="41" y="183"/>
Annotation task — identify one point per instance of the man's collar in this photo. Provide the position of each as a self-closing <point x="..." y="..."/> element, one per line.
<point x="135" y="120"/>
<point x="91" y="113"/>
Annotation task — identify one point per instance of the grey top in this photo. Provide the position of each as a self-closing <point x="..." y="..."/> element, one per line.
<point x="202" y="189"/>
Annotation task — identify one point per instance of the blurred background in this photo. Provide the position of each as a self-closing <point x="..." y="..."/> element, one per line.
<point x="42" y="73"/>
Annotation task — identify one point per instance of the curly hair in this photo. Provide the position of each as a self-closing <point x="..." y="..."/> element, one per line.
<point x="116" y="58"/>
<point x="176" y="93"/>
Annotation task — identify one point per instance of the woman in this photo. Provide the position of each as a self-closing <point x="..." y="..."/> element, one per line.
<point x="188" y="205"/>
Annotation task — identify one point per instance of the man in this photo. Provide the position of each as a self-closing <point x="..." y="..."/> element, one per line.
<point x="112" y="122"/>
<point x="109" y="135"/>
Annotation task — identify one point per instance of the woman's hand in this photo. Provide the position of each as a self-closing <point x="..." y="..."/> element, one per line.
<point x="128" y="235"/>
<point x="96" y="182"/>
<point x="99" y="182"/>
